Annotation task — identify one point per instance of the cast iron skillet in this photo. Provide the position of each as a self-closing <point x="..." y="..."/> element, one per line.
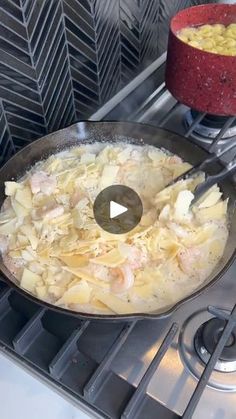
<point x="89" y="132"/>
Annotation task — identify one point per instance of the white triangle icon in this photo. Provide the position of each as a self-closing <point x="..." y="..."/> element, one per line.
<point x="116" y="209"/>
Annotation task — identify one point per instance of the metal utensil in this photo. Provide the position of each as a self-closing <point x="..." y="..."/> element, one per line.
<point x="210" y="179"/>
<point x="128" y="132"/>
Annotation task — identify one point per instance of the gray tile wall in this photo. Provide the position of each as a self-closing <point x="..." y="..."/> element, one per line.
<point x="62" y="59"/>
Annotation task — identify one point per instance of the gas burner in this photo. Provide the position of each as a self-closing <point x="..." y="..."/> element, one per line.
<point x="205" y="342"/>
<point x="196" y="345"/>
<point x="209" y="127"/>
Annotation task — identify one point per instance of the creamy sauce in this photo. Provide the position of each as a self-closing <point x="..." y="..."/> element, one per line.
<point x="51" y="243"/>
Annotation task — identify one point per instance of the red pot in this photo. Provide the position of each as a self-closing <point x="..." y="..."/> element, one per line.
<point x="201" y="80"/>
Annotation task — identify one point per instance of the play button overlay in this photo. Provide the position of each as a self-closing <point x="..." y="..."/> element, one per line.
<point x="118" y="209"/>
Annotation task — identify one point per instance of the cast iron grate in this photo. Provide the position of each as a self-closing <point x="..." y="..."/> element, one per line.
<point x="55" y="346"/>
<point x="75" y="356"/>
<point x="230" y="121"/>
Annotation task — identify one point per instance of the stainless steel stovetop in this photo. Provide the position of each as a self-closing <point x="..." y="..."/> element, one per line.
<point x="125" y="370"/>
<point x="180" y="370"/>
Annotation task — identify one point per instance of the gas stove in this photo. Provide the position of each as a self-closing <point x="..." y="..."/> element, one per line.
<point x="210" y="126"/>
<point x="181" y="366"/>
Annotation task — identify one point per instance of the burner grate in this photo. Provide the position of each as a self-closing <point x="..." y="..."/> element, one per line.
<point x="230" y="325"/>
<point x="50" y="344"/>
<point x="136" y="400"/>
<point x="225" y="124"/>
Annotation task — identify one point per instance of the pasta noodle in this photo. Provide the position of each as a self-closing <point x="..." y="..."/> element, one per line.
<point x="217" y="38"/>
<point x="51" y="243"/>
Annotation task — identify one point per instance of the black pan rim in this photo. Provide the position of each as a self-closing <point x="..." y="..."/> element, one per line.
<point x="118" y="317"/>
<point x="112" y="317"/>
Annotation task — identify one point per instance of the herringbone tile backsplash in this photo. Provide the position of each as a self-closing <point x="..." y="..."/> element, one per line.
<point x="60" y="60"/>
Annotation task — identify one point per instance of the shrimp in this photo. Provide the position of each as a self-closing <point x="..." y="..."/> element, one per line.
<point x="136" y="257"/>
<point x="189" y="260"/>
<point x="41" y="182"/>
<point x="123" y="279"/>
